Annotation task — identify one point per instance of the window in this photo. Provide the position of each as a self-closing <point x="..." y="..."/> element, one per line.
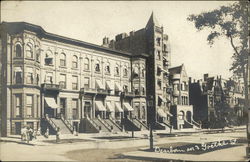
<point x="75" y="108"/>
<point x="143" y="90"/>
<point x="62" y="59"/>
<point x="18" y="75"/>
<point x="165" y="48"/>
<point x="158" y="41"/>
<point x="125" y="88"/>
<point x="159" y="84"/>
<point x="74" y="82"/>
<point x="48" y="58"/>
<point x="74" y="62"/>
<point x="97" y="66"/>
<point x="29" y="105"/>
<point x="18" y="105"/>
<point x="30" y="78"/>
<point x="29" y="50"/>
<point x="37" y="79"/>
<point x="107" y="68"/>
<point x="159" y="55"/>
<point x="86" y="64"/>
<point x="136" y="72"/>
<point x="117" y="69"/>
<point x="38" y="53"/>
<point x="181" y="115"/>
<point x="86" y="82"/>
<point x="125" y="71"/>
<point x="62" y="82"/>
<point x="18" y="50"/>
<point x="49" y="78"/>
<point x="143" y="72"/>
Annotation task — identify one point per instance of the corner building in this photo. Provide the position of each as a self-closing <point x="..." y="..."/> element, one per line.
<point x="50" y="81"/>
<point x="152" y="41"/>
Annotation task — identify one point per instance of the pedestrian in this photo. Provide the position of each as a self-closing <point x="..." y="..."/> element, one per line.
<point x="58" y="135"/>
<point x="23" y="133"/>
<point x="38" y="133"/>
<point x="47" y="133"/>
<point x="27" y="135"/>
<point x="34" y="134"/>
<point x="31" y="133"/>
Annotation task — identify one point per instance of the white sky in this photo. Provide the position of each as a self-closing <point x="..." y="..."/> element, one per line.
<point x="91" y="21"/>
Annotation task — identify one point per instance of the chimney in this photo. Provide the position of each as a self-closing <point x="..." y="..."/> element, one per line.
<point x="190" y="79"/>
<point x="105" y="42"/>
<point x="205" y="76"/>
<point x="112" y="44"/>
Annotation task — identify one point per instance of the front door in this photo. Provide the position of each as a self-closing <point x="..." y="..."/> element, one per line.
<point x="63" y="106"/>
<point x="87" y="109"/>
<point x="18" y="128"/>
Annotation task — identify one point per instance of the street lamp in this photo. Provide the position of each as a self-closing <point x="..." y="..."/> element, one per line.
<point x="151" y="120"/>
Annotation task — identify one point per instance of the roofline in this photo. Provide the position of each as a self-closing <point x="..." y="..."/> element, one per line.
<point x="60" y="38"/>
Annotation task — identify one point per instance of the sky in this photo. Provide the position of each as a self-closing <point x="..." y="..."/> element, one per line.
<point x="90" y="21"/>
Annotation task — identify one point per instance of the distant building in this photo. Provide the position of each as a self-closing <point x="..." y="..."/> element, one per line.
<point x="213" y="96"/>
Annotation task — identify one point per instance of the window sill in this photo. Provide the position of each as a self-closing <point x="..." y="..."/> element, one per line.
<point x="63" y="67"/>
<point x="86" y="70"/>
<point x="49" y="65"/>
<point x="74" y="68"/>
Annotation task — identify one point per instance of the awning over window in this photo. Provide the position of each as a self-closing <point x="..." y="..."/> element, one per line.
<point x="109" y="107"/>
<point x="51" y="103"/>
<point x="99" y="106"/>
<point x="99" y="84"/>
<point x="118" y="87"/>
<point x="110" y="86"/>
<point x="118" y="107"/>
<point x="161" y="113"/>
<point x="162" y="99"/>
<point x="127" y="107"/>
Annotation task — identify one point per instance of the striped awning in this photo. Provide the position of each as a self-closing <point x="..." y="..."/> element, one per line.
<point x="118" y="107"/>
<point x="110" y="107"/>
<point x="99" y="84"/>
<point x="127" y="107"/>
<point x="99" y="106"/>
<point x="162" y="99"/>
<point x="51" y="103"/>
<point x="110" y="86"/>
<point x="118" y="87"/>
<point x="161" y="113"/>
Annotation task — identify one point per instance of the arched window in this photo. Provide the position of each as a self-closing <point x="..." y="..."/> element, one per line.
<point x="107" y="68"/>
<point x="97" y="66"/>
<point x="48" y="58"/>
<point x="125" y="71"/>
<point x="29" y="50"/>
<point x="143" y="72"/>
<point x="62" y="59"/>
<point x="117" y="69"/>
<point x="18" y="50"/>
<point x="136" y="72"/>
<point x="181" y="115"/>
<point x="75" y="61"/>
<point x="86" y="64"/>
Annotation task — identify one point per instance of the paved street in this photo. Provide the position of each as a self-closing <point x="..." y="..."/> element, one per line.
<point x="93" y="147"/>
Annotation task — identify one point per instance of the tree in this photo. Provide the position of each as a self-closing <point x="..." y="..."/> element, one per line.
<point x="231" y="22"/>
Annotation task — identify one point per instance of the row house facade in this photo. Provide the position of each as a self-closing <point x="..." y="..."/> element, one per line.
<point x="47" y="78"/>
<point x="214" y="97"/>
<point x="181" y="109"/>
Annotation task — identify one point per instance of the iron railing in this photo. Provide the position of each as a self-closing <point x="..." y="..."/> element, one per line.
<point x="67" y="123"/>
